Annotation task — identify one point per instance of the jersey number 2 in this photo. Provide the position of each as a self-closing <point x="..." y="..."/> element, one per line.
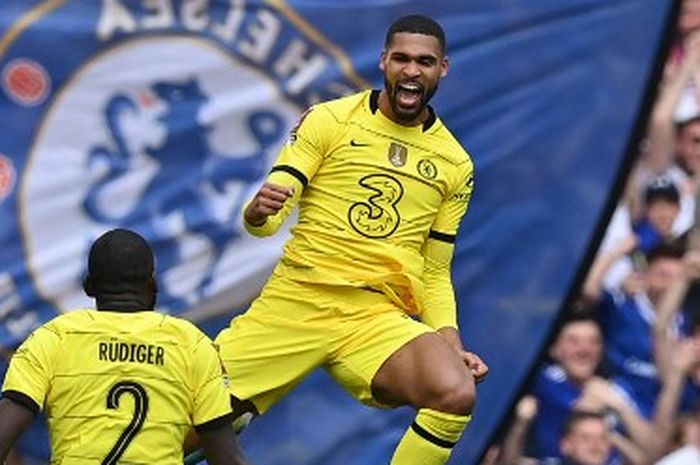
<point x="140" y="410"/>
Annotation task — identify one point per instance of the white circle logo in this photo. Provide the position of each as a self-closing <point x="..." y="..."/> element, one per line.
<point x="168" y="146"/>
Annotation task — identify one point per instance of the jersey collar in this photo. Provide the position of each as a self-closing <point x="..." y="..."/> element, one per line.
<point x="374" y="106"/>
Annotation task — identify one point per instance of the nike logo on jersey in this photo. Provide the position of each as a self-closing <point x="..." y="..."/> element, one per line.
<point x="354" y="143"/>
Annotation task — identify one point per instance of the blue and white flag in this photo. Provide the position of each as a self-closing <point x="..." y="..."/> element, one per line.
<point x="158" y="116"/>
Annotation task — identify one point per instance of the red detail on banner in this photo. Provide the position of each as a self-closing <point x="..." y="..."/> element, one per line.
<point x="147" y="99"/>
<point x="7" y="176"/>
<point x="26" y="82"/>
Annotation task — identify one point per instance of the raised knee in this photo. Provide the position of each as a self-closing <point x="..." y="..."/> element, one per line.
<point x="458" y="399"/>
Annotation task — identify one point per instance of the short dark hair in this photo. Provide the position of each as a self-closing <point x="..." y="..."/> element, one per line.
<point x="670" y="250"/>
<point x="681" y="125"/>
<point x="579" y="416"/>
<point x="120" y="261"/>
<point x="580" y="313"/>
<point x="416" y="24"/>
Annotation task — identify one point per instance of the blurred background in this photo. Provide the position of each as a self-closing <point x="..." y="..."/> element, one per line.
<point x="575" y="267"/>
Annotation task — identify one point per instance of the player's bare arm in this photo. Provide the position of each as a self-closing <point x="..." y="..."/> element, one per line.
<point x="267" y="201"/>
<point x="14" y="418"/>
<point x="221" y="447"/>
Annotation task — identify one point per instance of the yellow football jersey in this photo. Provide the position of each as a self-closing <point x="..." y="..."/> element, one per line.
<point x="119" y="387"/>
<point x="371" y="193"/>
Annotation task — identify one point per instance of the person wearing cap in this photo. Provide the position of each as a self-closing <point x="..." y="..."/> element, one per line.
<point x="672" y="146"/>
<point x="122" y="383"/>
<point x="661" y="208"/>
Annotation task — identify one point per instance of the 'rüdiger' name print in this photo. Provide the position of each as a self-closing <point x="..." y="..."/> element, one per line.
<point x="114" y="351"/>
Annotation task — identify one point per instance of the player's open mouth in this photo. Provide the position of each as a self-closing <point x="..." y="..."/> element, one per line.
<point x="409" y="94"/>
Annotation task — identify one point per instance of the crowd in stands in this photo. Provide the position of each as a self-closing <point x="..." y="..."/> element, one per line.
<point x="620" y="383"/>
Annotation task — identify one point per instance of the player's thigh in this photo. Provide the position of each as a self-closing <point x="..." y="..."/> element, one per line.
<point x="426" y="372"/>
<point x="272" y="347"/>
<point x="366" y="346"/>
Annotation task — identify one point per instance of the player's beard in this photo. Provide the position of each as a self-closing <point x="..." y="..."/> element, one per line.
<point x="408" y="114"/>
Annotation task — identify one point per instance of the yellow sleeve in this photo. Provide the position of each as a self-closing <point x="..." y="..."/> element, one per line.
<point x="440" y="309"/>
<point x="211" y="402"/>
<point x="297" y="163"/>
<point x="31" y="368"/>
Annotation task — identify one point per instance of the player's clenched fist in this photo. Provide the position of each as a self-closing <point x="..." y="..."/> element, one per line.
<point x="477" y="366"/>
<point x="268" y="201"/>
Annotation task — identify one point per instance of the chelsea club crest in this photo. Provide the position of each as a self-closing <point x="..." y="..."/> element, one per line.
<point x="162" y="117"/>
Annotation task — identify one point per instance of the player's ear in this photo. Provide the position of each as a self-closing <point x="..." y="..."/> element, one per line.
<point x="88" y="286"/>
<point x="153" y="288"/>
<point x="381" y="61"/>
<point x="444" y="66"/>
<point x="153" y="285"/>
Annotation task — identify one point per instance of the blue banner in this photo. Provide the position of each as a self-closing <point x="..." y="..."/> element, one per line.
<point x="164" y="116"/>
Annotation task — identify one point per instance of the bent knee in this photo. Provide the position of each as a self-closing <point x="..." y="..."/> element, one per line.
<point x="458" y="399"/>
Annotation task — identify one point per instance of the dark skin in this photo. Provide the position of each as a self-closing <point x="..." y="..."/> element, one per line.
<point x="220" y="445"/>
<point x="415" y="60"/>
<point x="434" y="370"/>
<point x="193" y="441"/>
<point x="14" y="419"/>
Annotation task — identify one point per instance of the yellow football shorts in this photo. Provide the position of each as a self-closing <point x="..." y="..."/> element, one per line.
<point x="295" y="327"/>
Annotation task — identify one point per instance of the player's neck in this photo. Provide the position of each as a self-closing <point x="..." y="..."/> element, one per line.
<point x="125" y="303"/>
<point x="388" y="111"/>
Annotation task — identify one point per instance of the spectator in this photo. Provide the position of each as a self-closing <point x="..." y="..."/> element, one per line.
<point x="675" y="354"/>
<point x="686" y="360"/>
<point x="512" y="449"/>
<point x="670" y="305"/>
<point x="627" y="315"/>
<point x="586" y="439"/>
<point x="576" y="354"/>
<point x="689" y="17"/>
<point x="688" y="23"/>
<point x="570" y="382"/>
<point x="689" y="452"/>
<point x="661" y="208"/>
<point x="673" y="146"/>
